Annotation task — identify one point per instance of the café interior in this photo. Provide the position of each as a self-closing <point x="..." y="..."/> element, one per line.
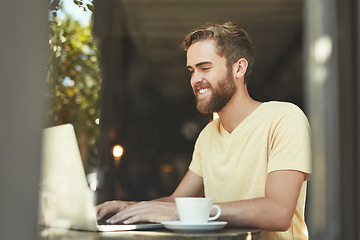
<point x="306" y="52"/>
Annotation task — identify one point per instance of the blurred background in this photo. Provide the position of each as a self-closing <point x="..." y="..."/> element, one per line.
<point x="116" y="71"/>
<point x="132" y="51"/>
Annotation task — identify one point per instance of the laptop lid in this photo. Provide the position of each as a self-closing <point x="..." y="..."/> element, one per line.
<point x="66" y="200"/>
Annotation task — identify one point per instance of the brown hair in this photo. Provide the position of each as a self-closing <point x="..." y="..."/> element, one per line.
<point x="232" y="42"/>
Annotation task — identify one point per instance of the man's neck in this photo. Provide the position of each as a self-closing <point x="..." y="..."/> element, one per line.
<point x="239" y="108"/>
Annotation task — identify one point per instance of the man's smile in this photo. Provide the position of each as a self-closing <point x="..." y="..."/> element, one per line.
<point x="203" y="90"/>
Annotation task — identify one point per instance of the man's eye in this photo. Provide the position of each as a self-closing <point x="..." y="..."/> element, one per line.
<point x="205" y="68"/>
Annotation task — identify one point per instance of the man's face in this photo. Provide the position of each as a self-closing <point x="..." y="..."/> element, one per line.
<point x="212" y="81"/>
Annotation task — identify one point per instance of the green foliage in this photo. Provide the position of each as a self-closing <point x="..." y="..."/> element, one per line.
<point x="54" y="5"/>
<point x="85" y="5"/>
<point x="74" y="83"/>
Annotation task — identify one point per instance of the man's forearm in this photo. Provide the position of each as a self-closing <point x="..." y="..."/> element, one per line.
<point x="263" y="213"/>
<point x="164" y="199"/>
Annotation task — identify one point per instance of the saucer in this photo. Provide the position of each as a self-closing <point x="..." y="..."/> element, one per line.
<point x="180" y="226"/>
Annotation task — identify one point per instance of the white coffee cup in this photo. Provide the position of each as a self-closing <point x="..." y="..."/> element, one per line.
<point x="196" y="210"/>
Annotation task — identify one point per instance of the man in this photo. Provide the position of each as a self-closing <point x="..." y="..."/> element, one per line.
<point x="254" y="160"/>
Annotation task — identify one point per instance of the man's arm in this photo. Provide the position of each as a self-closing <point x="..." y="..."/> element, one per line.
<point x="190" y="186"/>
<point x="162" y="209"/>
<point x="272" y="212"/>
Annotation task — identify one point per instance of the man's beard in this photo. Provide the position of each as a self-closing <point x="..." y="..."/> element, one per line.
<point x="220" y="95"/>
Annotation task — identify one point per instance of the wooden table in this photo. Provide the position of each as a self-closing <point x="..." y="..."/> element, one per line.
<point x="224" y="234"/>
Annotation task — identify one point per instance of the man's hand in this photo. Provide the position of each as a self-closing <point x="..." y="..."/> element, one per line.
<point x="158" y="210"/>
<point x="111" y="207"/>
<point x="130" y="212"/>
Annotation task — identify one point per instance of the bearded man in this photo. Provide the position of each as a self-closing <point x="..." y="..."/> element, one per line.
<point x="253" y="161"/>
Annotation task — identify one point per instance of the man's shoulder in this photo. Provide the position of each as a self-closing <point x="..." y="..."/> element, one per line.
<point x="285" y="112"/>
<point x="212" y="126"/>
<point x="281" y="105"/>
<point x="277" y="107"/>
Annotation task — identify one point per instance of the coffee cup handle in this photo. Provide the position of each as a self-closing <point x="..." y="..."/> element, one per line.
<point x="217" y="215"/>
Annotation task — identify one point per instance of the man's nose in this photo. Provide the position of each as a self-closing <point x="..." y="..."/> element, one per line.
<point x="196" y="77"/>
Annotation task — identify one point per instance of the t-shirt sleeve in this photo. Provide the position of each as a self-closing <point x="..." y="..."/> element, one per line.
<point x="195" y="165"/>
<point x="289" y="143"/>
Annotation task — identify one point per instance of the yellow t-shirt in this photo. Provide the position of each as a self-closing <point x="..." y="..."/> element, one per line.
<point x="276" y="136"/>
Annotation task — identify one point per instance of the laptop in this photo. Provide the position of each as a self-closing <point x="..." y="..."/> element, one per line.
<point x="66" y="200"/>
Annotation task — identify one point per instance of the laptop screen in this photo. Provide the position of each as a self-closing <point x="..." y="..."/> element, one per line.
<point x="66" y="201"/>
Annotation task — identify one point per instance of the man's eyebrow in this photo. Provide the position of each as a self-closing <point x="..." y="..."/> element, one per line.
<point x="199" y="64"/>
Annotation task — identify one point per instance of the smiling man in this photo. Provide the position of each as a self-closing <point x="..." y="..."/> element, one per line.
<point x="254" y="160"/>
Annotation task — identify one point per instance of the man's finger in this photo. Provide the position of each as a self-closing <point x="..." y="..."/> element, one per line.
<point x="105" y="208"/>
<point x="116" y="218"/>
<point x="130" y="214"/>
<point x="134" y="219"/>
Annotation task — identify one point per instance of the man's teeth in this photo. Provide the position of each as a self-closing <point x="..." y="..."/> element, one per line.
<point x="203" y="90"/>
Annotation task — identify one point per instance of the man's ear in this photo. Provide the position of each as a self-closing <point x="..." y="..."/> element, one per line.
<point x="240" y="67"/>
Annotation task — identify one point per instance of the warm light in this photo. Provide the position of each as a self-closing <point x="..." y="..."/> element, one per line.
<point x="118" y="151"/>
<point x="167" y="168"/>
<point x="322" y="52"/>
<point x="323" y="49"/>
